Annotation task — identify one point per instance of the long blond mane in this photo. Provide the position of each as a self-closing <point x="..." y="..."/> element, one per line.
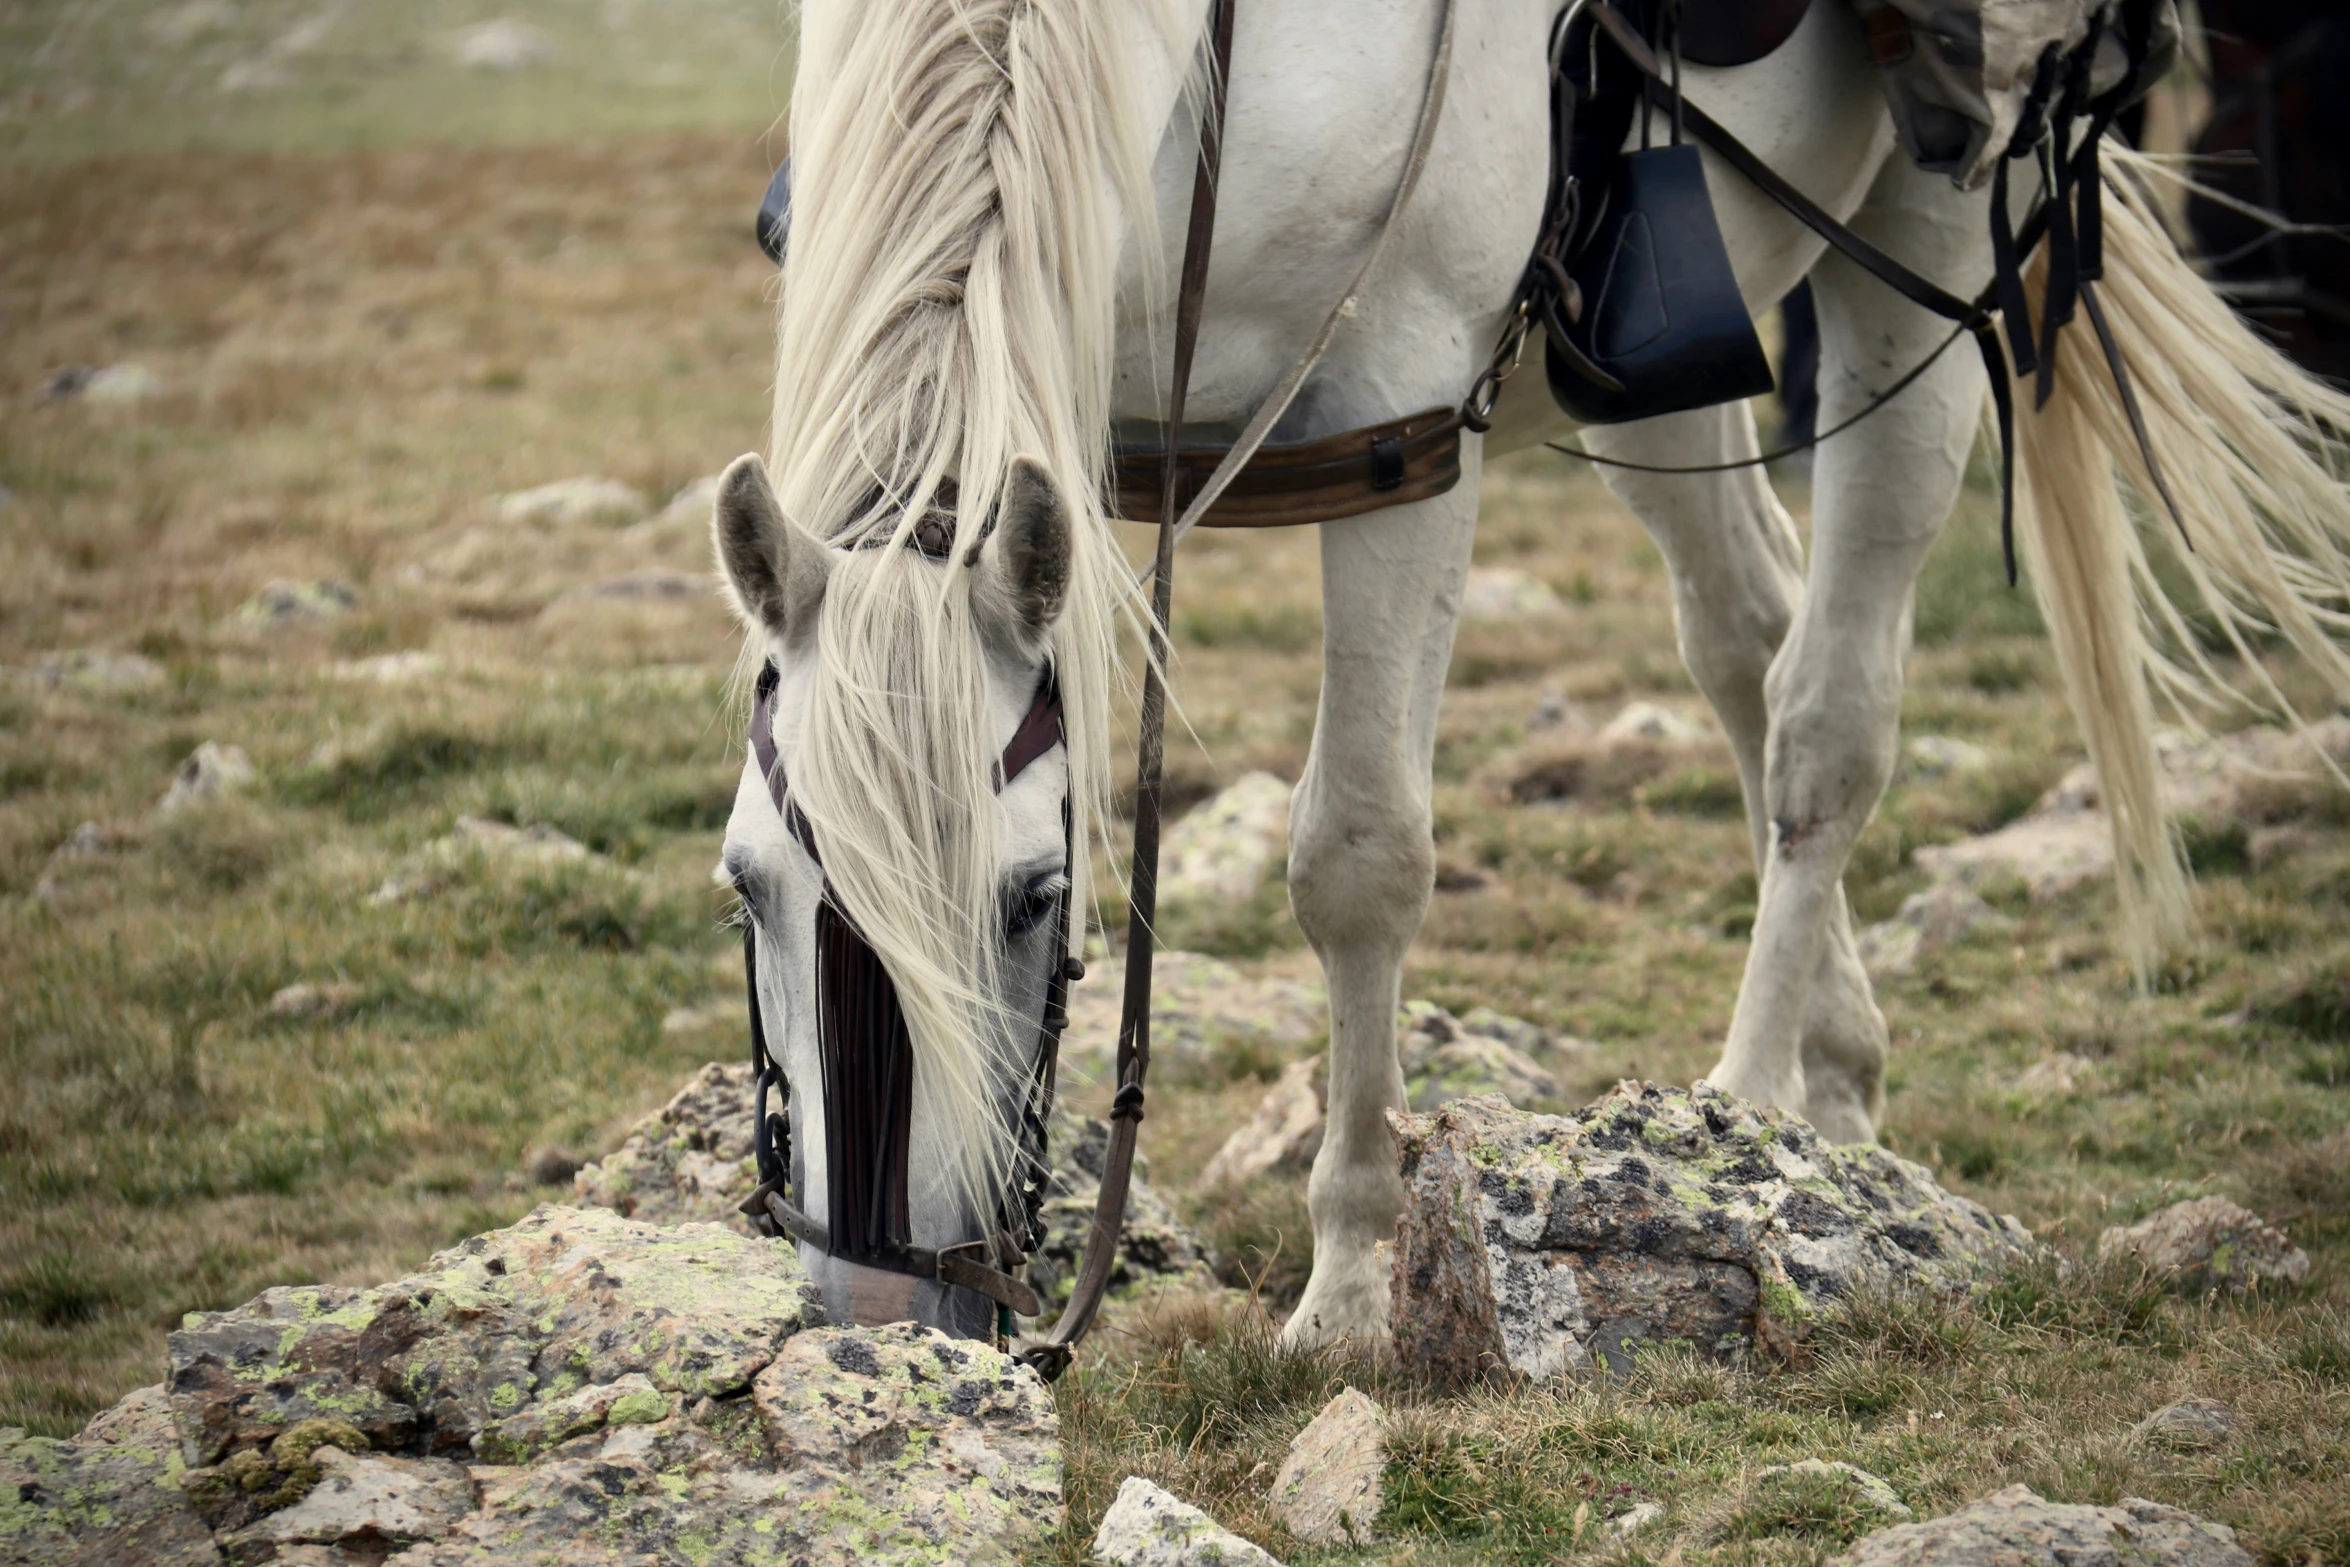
<point x="965" y="173"/>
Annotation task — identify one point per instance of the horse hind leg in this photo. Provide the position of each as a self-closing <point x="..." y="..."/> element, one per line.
<point x="1736" y="566"/>
<point x="1806" y="1034"/>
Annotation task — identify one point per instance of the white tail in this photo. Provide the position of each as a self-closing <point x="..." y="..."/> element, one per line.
<point x="2251" y="448"/>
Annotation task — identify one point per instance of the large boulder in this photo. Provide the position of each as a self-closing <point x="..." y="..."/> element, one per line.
<point x="693" y="1161"/>
<point x="578" y="1388"/>
<point x="1203" y="1012"/>
<point x="2017" y="1528"/>
<point x="1536" y="1244"/>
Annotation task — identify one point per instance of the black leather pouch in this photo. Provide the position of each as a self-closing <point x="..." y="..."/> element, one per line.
<point x="1661" y="308"/>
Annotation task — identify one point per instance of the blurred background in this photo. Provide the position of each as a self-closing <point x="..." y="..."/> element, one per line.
<point x="364" y="748"/>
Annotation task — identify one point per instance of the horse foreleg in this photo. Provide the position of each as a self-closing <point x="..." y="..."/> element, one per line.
<point x="1805" y="1034"/>
<point x="1362" y="863"/>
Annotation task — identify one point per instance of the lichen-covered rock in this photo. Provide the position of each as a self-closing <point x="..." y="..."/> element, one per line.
<point x="1223" y="848"/>
<point x="1327" y="1490"/>
<point x="2017" y="1528"/>
<point x="2209" y="1243"/>
<point x="1539" y="1243"/>
<point x="1201" y="1008"/>
<point x="1443" y="1058"/>
<point x="1155" y="1247"/>
<point x="693" y="1160"/>
<point x="1147" y="1527"/>
<point x="578" y="1390"/>
<point x="111" y="1494"/>
<point x="566" y="1298"/>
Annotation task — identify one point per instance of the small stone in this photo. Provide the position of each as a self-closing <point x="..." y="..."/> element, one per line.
<point x="2209" y="1243"/>
<point x="388" y="669"/>
<point x="552" y="1166"/>
<point x="2054" y="1076"/>
<point x="569" y="502"/>
<point x="210" y="772"/>
<point x="538" y="842"/>
<point x="1941" y="916"/>
<point x="1639" y="1518"/>
<point x="284" y="603"/>
<point x="2050" y="854"/>
<point x="1224" y="848"/>
<point x="1867" y="1492"/>
<point x="1146" y="1527"/>
<point x="2017" y="1528"/>
<point x="1285" y="1131"/>
<point x="1552" y="710"/>
<point x="1506" y="593"/>
<point x="647" y="585"/>
<point x="691" y="506"/>
<point x="71" y="860"/>
<point x="1200" y="1006"/>
<point x="1648" y="721"/>
<point x="92" y="669"/>
<point x="2191" y="1425"/>
<point x="112" y="385"/>
<point x="1327" y="1492"/>
<point x="503" y="44"/>
<point x="331" y="999"/>
<point x="1932" y="758"/>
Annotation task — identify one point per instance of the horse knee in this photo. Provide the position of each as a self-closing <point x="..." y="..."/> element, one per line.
<point x="1360" y="872"/>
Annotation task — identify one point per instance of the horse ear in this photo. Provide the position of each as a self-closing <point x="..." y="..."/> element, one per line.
<point x="774" y="572"/>
<point x="1029" y="556"/>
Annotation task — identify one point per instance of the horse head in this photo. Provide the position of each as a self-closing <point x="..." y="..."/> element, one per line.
<point x="902" y="843"/>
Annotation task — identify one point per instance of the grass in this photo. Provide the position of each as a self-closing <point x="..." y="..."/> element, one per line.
<point x="362" y="341"/>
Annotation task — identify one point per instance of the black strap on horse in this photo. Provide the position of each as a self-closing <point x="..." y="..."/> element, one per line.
<point x="2070" y="216"/>
<point x="1050" y="1356"/>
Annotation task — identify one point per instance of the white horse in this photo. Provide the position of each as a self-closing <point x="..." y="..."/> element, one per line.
<point x="988" y="210"/>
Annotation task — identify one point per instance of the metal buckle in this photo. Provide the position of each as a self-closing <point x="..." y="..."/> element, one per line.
<point x="938" y="1267"/>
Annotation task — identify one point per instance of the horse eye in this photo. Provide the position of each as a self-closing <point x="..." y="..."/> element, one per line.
<point x="1032" y="900"/>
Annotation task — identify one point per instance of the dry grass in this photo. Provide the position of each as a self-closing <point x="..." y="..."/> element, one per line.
<point x="358" y="350"/>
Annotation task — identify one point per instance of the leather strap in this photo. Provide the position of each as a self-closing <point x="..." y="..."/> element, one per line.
<point x="1342" y="475"/>
<point x="1260" y="424"/>
<point x="948" y="1265"/>
<point x="1050" y="1356"/>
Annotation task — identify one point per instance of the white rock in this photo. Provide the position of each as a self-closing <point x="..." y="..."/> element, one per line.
<point x="691" y="505"/>
<point x="2017" y="1528"/>
<point x="503" y="44"/>
<point x="321" y="1000"/>
<point x="374" y="1498"/>
<point x="653" y="584"/>
<point x="1941" y="916"/>
<point x="93" y="669"/>
<point x="2051" y="855"/>
<point x="1552" y="710"/>
<point x="2054" y="1076"/>
<point x="1506" y="593"/>
<point x="1224" y="847"/>
<point x="573" y="501"/>
<point x="286" y="603"/>
<point x="1198" y="1006"/>
<point x="538" y="842"/>
<point x="1870" y="1492"/>
<point x="2209" y="1242"/>
<point x="1146" y="1527"/>
<point x="2191" y="1425"/>
<point x="1933" y="757"/>
<point x="1648" y="721"/>
<point x="211" y="771"/>
<point x="389" y="669"/>
<point x="1286" y="1128"/>
<point x="1638" y="1519"/>
<point x="1327" y="1492"/>
<point x="121" y="384"/>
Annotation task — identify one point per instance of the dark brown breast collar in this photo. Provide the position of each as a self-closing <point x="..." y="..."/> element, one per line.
<point x="867" y="1102"/>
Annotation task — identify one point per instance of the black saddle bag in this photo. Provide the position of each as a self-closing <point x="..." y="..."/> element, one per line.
<point x="1661" y="309"/>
